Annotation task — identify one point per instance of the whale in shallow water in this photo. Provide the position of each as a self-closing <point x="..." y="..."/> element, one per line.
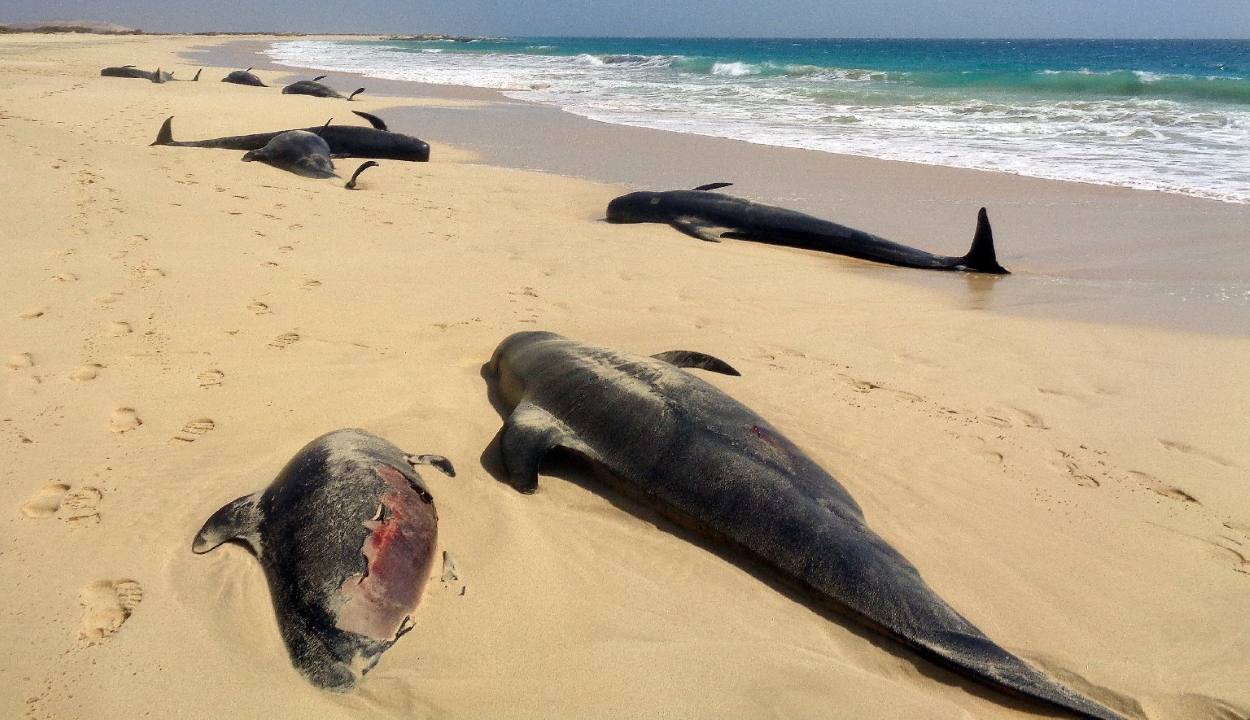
<point x="710" y="216"/>
<point x="711" y="464"/>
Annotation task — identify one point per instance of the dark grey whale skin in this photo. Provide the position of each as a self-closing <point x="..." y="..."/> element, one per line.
<point x="710" y="216"/>
<point x="307" y="529"/>
<point x="243" y="77"/>
<point x="316" y="89"/>
<point x="298" y="151"/>
<point x="130" y="71"/>
<point x="713" y="465"/>
<point x="376" y="142"/>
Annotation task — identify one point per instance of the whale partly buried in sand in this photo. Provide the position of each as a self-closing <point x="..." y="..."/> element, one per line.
<point x="346" y="535"/>
<point x="712" y="464"/>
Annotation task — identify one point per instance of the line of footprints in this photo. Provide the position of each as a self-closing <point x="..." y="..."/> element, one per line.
<point x="107" y="604"/>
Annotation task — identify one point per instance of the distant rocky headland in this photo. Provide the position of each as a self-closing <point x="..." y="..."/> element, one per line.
<point x="434" y="37"/>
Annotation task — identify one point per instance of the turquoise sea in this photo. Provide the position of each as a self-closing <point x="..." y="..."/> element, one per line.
<point x="1170" y="115"/>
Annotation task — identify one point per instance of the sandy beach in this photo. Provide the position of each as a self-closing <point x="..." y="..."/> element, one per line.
<point x="1068" y="470"/>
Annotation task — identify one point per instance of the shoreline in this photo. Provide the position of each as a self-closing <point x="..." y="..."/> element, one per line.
<point x="1088" y="252"/>
<point x="180" y="323"/>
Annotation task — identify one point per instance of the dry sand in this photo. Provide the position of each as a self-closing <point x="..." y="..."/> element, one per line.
<point x="177" y="324"/>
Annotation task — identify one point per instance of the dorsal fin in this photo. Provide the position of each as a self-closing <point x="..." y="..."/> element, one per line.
<point x="320" y="78"/>
<point x="197" y="75"/>
<point x="166" y="134"/>
<point x="238" y="520"/>
<point x="323" y="127"/>
<point x="374" y="120"/>
<point x="248" y="70"/>
<point x="690" y="358"/>
<point x="713" y="186"/>
<point x="358" y="91"/>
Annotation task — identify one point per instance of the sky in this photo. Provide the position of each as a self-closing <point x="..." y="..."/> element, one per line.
<point x="685" y="18"/>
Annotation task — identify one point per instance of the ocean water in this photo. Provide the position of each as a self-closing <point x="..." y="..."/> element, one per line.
<point x="1168" y="115"/>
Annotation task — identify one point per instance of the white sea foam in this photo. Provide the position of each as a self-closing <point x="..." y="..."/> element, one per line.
<point x="1143" y="143"/>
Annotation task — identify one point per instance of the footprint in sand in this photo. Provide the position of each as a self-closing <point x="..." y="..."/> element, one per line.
<point x="258" y="307"/>
<point x="119" y="328"/>
<point x="309" y="284"/>
<point x="107" y="604"/>
<point x="86" y="372"/>
<point x="865" y="386"/>
<point x="210" y="378"/>
<point x="1196" y="452"/>
<point x="78" y="508"/>
<point x="46" y="502"/>
<point x="108" y="298"/>
<point x="269" y="264"/>
<point x="193" y="429"/>
<point x="65" y="277"/>
<point x="118" y="254"/>
<point x="1012" y="416"/>
<point x="284" y="340"/>
<point x="1153" y="484"/>
<point x="152" y="273"/>
<point x="19" y="361"/>
<point x="32" y="314"/>
<point x="1064" y="463"/>
<point x="123" y="420"/>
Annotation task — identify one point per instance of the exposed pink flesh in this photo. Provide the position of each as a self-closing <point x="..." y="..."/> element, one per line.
<point x="400" y="553"/>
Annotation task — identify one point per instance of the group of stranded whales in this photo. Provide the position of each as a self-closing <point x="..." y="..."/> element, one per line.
<point x="346" y="532"/>
<point x="310" y="151"/>
<point x="130" y="71"/>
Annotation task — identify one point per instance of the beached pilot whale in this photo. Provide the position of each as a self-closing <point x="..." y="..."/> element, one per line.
<point x="711" y="216"/>
<point x="346" y="536"/>
<point x="243" y="77"/>
<point x="303" y="153"/>
<point x="130" y="71"/>
<point x="298" y="151"/>
<point x="713" y="465"/>
<point x="316" y="89"/>
<point x="375" y="142"/>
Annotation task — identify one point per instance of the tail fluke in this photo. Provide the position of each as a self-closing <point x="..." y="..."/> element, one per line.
<point x="981" y="257"/>
<point x="166" y="134"/>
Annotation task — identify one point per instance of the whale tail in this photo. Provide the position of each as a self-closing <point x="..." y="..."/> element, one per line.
<point x="351" y="184"/>
<point x="981" y="257"/>
<point x="358" y="91"/>
<point x="166" y="134"/>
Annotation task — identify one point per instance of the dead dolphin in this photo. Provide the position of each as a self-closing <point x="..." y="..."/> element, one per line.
<point x="712" y="464"/>
<point x="711" y="216"/>
<point x="316" y="89"/>
<point x="243" y="77"/>
<point x="346" y="536"/>
<point x="375" y="142"/>
<point x="130" y="71"/>
<point x="298" y="151"/>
